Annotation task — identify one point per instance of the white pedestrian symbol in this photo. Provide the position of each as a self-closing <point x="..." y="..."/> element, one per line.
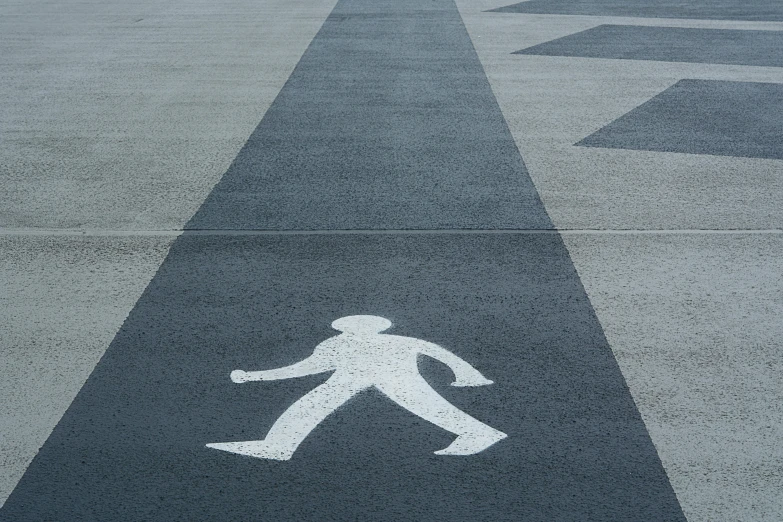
<point x="361" y="357"/>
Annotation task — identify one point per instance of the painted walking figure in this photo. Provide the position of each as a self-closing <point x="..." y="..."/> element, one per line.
<point x="362" y="357"/>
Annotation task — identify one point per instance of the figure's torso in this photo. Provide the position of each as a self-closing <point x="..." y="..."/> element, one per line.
<point x="375" y="357"/>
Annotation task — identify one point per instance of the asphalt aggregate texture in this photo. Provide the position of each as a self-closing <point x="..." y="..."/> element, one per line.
<point x="132" y="445"/>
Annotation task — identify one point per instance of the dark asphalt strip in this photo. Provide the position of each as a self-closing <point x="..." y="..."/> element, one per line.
<point x="740" y="119"/>
<point x="131" y="446"/>
<point x="669" y="44"/>
<point x="387" y="122"/>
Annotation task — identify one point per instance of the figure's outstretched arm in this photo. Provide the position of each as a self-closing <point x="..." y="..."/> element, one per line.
<point x="466" y="375"/>
<point x="316" y="363"/>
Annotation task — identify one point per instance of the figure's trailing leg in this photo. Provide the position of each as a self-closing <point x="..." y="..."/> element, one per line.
<point x="296" y="422"/>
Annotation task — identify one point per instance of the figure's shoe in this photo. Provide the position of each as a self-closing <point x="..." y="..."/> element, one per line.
<point x="472" y="443"/>
<point x="253" y="448"/>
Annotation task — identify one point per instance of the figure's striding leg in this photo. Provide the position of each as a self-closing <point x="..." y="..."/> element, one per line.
<point x="418" y="397"/>
<point x="293" y="426"/>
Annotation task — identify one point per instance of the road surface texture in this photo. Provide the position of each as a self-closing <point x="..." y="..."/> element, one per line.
<point x="581" y="199"/>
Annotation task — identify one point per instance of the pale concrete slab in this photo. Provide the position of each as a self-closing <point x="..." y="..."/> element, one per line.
<point x="551" y="103"/>
<point x="62" y="300"/>
<point x="124" y="115"/>
<point x="694" y="321"/>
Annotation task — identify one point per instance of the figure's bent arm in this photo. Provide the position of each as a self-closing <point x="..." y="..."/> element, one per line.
<point x="466" y="375"/>
<point x="316" y="363"/>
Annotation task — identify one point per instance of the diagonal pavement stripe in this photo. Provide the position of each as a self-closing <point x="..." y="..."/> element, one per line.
<point x="755" y="10"/>
<point x="668" y="44"/>
<point x="132" y="444"/>
<point x="741" y="119"/>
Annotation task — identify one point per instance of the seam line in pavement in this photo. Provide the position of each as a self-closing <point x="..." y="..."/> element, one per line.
<point x="239" y="232"/>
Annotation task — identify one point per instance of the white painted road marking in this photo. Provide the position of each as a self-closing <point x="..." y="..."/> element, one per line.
<point x="362" y="358"/>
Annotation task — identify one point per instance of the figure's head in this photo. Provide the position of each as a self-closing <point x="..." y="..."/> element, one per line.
<point x="361" y="324"/>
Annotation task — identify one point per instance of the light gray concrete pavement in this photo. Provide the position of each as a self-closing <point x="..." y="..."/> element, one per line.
<point x="551" y="103"/>
<point x="695" y="323"/>
<point x="120" y="115"/>
<point x="693" y="316"/>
